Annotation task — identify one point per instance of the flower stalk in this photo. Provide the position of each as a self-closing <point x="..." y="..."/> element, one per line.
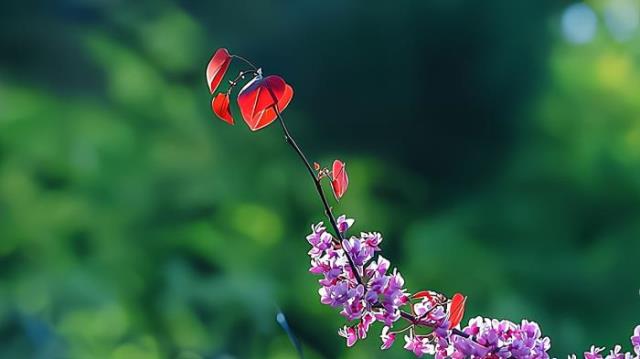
<point x="318" y="185"/>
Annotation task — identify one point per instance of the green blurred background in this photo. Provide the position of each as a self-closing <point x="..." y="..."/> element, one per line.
<point x="495" y="144"/>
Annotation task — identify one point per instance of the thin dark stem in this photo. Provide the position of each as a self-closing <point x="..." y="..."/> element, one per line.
<point x="460" y="333"/>
<point x="417" y="321"/>
<point x="240" y="76"/>
<point x="245" y="61"/>
<point x="327" y="208"/>
<point x="408" y="316"/>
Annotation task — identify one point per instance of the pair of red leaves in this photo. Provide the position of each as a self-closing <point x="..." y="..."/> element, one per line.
<point x="456" y="308"/>
<point x="257" y="100"/>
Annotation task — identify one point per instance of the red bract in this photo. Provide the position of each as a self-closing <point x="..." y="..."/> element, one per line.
<point x="456" y="310"/>
<point x="217" y="67"/>
<point x="220" y="105"/>
<point x="423" y="294"/>
<point x="258" y="97"/>
<point x="339" y="179"/>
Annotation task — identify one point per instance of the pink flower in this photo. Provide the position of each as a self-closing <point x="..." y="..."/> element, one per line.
<point x="419" y="346"/>
<point x="616" y="354"/>
<point x="379" y="267"/>
<point x="372" y="239"/>
<point x="320" y="240"/>
<point x="594" y="353"/>
<point x="387" y="338"/>
<point x="354" y="308"/>
<point x="358" y="251"/>
<point x="388" y="317"/>
<point x="635" y="340"/>
<point x="350" y="334"/>
<point x="344" y="223"/>
<point x="421" y="308"/>
<point x="394" y="294"/>
<point x="336" y="295"/>
<point x="365" y="323"/>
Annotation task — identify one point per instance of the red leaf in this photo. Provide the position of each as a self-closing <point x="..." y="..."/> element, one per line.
<point x="220" y="105"/>
<point x="257" y="98"/>
<point x="423" y="294"/>
<point x="269" y="115"/>
<point x="217" y="67"/>
<point x="286" y="98"/>
<point x="456" y="310"/>
<point x="340" y="180"/>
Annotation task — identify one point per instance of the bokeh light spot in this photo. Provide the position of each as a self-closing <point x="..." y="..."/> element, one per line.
<point x="621" y="18"/>
<point x="613" y="70"/>
<point x="579" y="23"/>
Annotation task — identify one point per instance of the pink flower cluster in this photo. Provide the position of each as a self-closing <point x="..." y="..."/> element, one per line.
<point x="482" y="338"/>
<point x="380" y="294"/>
<point x="375" y="293"/>
<point x="616" y="352"/>
<point x="501" y="339"/>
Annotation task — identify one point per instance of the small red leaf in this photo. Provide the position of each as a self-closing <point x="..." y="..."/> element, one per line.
<point x="316" y="166"/>
<point x="339" y="179"/>
<point x="217" y="67"/>
<point x="257" y="98"/>
<point x="456" y="309"/>
<point x="220" y="105"/>
<point x="423" y="294"/>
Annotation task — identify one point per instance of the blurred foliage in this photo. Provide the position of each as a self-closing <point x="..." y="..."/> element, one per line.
<point x="497" y="158"/>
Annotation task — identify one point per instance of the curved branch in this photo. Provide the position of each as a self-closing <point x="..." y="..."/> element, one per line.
<point x="327" y="208"/>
